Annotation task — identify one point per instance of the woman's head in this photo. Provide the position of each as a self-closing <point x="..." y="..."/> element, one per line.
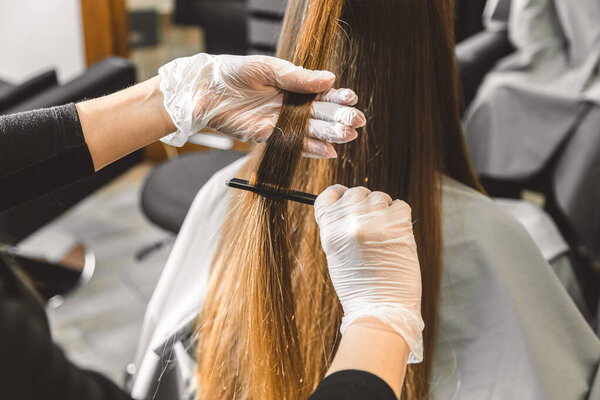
<point x="269" y="325"/>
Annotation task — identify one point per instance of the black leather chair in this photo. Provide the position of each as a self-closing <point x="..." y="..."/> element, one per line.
<point x="106" y="76"/>
<point x="170" y="188"/>
<point x="11" y="94"/>
<point x="264" y="25"/>
<point x="223" y="22"/>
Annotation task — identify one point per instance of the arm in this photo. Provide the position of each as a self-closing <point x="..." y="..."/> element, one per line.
<point x="233" y="95"/>
<point x="120" y="123"/>
<point x="42" y="150"/>
<point x="370" y="345"/>
<point x="370" y="363"/>
<point x="374" y="267"/>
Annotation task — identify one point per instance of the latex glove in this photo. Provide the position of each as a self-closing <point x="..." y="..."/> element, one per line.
<point x="241" y="96"/>
<point x="372" y="259"/>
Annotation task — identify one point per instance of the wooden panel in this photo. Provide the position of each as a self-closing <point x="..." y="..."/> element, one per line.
<point x="120" y="25"/>
<point x="104" y="29"/>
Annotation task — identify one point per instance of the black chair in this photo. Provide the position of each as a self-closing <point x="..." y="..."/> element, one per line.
<point x="264" y="25"/>
<point x="106" y="76"/>
<point x="11" y="94"/>
<point x="170" y="188"/>
<point x="52" y="280"/>
<point x="223" y="22"/>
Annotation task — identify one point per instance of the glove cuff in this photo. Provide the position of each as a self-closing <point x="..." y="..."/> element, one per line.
<point x="403" y="321"/>
<point x="179" y="82"/>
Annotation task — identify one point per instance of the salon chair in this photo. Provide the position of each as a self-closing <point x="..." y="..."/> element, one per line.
<point x="477" y="54"/>
<point x="223" y="23"/>
<point x="107" y="76"/>
<point x="264" y="25"/>
<point x="170" y="188"/>
<point x="52" y="280"/>
<point x="234" y="26"/>
<point x="11" y="94"/>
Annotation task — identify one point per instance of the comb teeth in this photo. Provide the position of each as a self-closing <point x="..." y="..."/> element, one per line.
<point x="293" y="195"/>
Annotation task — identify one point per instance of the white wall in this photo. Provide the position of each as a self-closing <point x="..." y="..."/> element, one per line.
<point x="36" y="35"/>
<point x="161" y="6"/>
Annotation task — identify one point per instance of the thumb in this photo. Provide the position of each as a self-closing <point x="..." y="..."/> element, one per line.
<point x="327" y="198"/>
<point x="292" y="78"/>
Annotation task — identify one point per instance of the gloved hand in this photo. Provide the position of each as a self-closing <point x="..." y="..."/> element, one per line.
<point x="372" y="259"/>
<point x="240" y="96"/>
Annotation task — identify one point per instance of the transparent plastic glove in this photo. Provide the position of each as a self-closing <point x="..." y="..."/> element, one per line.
<point x="372" y="259"/>
<point x="241" y="96"/>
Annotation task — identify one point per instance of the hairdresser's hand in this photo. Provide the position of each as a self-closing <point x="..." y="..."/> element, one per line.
<point x="372" y="259"/>
<point x="240" y="96"/>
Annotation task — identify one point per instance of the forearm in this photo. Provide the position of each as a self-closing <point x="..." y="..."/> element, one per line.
<point x="120" y="123"/>
<point x="41" y="151"/>
<point x="369" y="345"/>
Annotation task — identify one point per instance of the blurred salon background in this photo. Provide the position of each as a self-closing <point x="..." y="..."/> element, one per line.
<point x="96" y="249"/>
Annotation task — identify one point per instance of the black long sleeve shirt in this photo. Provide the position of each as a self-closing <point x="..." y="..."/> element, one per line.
<point x="41" y="151"/>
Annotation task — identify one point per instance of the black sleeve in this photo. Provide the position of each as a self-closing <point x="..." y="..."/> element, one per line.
<point x="353" y="385"/>
<point x="33" y="367"/>
<point x="41" y="151"/>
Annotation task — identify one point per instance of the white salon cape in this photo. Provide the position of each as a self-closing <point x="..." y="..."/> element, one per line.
<point x="544" y="98"/>
<point x="508" y="329"/>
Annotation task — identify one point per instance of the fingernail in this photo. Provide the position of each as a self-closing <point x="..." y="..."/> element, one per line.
<point x="326" y="75"/>
<point x="362" y="120"/>
<point x="349" y="97"/>
<point x="350" y="134"/>
<point x="331" y="153"/>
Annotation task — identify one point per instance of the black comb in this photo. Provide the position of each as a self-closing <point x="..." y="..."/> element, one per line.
<point x="300" y="197"/>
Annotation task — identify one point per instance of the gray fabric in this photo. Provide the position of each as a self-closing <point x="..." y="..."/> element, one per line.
<point x="551" y="244"/>
<point x="538" y="224"/>
<point x="513" y="329"/>
<point x="577" y="181"/>
<point x="543" y="97"/>
<point x="508" y="329"/>
<point x="563" y="268"/>
<point x="496" y="14"/>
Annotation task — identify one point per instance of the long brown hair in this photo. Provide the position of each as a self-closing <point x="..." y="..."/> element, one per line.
<point x="270" y="321"/>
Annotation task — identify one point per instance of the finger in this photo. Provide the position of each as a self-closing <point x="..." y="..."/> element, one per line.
<point x="401" y="205"/>
<point x="379" y="200"/>
<point x="332" y="132"/>
<point x="332" y="112"/>
<point x="402" y="208"/>
<point x="314" y="148"/>
<point x="355" y="195"/>
<point x="345" y="97"/>
<point x="293" y="78"/>
<point x="327" y="198"/>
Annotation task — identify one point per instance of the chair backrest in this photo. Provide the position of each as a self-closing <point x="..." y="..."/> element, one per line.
<point x="469" y="18"/>
<point x="264" y="25"/>
<point x="12" y="95"/>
